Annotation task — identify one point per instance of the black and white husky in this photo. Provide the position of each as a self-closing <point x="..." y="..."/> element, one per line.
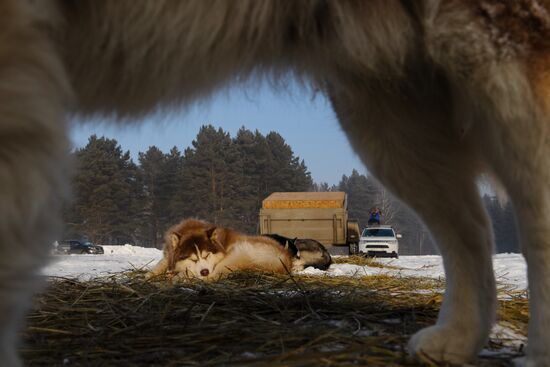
<point x="309" y="252"/>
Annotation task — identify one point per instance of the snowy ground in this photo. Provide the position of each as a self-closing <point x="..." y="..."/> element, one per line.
<point x="510" y="269"/>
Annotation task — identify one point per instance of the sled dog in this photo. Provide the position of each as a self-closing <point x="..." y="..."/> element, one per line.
<point x="307" y="252"/>
<point x="197" y="249"/>
<point x="431" y="93"/>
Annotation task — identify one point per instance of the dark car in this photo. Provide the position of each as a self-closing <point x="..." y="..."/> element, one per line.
<point x="77" y="247"/>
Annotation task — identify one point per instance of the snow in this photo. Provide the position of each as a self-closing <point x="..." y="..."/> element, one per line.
<point x="510" y="269"/>
<point x="115" y="260"/>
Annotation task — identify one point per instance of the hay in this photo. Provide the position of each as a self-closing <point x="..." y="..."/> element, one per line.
<point x="362" y="261"/>
<point x="247" y="319"/>
<point x="305" y="200"/>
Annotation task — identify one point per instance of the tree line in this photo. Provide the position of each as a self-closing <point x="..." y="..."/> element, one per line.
<point x="219" y="178"/>
<point x="222" y="179"/>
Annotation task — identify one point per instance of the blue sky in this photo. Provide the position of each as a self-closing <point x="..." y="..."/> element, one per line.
<point x="306" y="122"/>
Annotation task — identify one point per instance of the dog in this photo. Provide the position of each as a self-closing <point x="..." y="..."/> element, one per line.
<point x="306" y="251"/>
<point x="201" y="250"/>
<point x="431" y="93"/>
<point x="287" y="243"/>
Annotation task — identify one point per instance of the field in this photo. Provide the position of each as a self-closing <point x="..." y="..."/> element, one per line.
<point x="360" y="312"/>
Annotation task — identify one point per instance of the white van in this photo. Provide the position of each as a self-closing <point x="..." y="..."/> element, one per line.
<point x="379" y="241"/>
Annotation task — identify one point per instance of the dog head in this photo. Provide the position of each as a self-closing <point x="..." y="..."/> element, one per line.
<point x="192" y="249"/>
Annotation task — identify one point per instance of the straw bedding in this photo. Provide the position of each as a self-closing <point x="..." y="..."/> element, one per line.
<point x="247" y="319"/>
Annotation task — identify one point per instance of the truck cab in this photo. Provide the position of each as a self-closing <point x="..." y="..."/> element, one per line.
<point x="379" y="241"/>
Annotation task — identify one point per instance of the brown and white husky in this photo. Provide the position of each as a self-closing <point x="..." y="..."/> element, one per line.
<point x="197" y="249"/>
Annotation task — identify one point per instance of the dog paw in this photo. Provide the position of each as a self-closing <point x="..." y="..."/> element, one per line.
<point x="298" y="265"/>
<point x="442" y="344"/>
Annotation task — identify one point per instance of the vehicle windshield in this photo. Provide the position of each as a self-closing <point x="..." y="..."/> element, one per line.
<point x="378" y="232"/>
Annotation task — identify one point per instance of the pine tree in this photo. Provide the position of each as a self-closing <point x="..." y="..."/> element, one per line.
<point x="107" y="192"/>
<point x="322" y="187"/>
<point x="361" y="193"/>
<point x="253" y="154"/>
<point x="173" y="168"/>
<point x="286" y="171"/>
<point x="209" y="176"/>
<point x="152" y="164"/>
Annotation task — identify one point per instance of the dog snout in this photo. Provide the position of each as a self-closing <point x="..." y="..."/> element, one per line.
<point x="205" y="272"/>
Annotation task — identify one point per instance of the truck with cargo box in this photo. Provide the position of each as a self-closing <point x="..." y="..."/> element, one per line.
<point x="321" y="216"/>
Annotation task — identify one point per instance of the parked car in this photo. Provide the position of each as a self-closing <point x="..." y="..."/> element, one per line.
<point x="379" y="241"/>
<point x="77" y="247"/>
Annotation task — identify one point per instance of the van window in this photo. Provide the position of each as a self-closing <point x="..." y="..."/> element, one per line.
<point x="378" y="232"/>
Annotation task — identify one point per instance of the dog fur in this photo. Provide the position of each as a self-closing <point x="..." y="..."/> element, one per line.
<point x="197" y="249"/>
<point x="305" y="251"/>
<point x="453" y="89"/>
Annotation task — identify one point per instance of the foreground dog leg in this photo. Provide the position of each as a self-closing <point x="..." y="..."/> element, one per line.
<point x="520" y="156"/>
<point x="532" y="203"/>
<point x="33" y="149"/>
<point x="405" y="140"/>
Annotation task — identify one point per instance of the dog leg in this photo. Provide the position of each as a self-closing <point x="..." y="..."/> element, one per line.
<point x="532" y="203"/>
<point x="297" y="265"/>
<point x="518" y="130"/>
<point x="160" y="268"/>
<point x="407" y="142"/>
<point x="33" y="150"/>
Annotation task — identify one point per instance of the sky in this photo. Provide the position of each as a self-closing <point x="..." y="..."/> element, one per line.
<point x="306" y="122"/>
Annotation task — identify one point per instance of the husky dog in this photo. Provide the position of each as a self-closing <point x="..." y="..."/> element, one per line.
<point x="313" y="253"/>
<point x="431" y="93"/>
<point x="197" y="249"/>
<point x="307" y="251"/>
<point x="287" y="243"/>
<point x="184" y="240"/>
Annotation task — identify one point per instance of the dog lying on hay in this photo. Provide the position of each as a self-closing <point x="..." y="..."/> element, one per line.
<point x="453" y="89"/>
<point x="202" y="250"/>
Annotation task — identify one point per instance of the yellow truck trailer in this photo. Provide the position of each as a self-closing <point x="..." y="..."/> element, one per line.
<point x="321" y="216"/>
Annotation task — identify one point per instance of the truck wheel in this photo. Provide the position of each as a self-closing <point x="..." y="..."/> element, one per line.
<point x="353" y="248"/>
<point x="395" y="255"/>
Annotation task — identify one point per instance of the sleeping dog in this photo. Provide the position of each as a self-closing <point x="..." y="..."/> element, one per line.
<point x="309" y="252"/>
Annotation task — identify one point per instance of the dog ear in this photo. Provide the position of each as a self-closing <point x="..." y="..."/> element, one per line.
<point x="174" y="239"/>
<point x="210" y="232"/>
<point x="217" y="236"/>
